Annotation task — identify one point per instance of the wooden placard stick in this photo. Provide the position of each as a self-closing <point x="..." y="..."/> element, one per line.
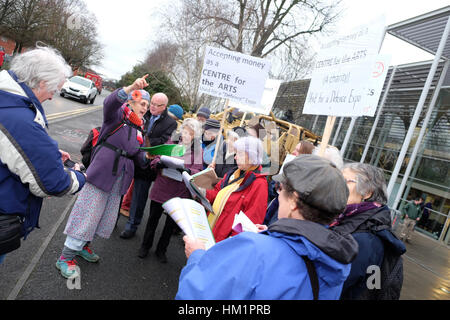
<point x="327" y="134"/>
<point x="219" y="137"/>
<point x="243" y="119"/>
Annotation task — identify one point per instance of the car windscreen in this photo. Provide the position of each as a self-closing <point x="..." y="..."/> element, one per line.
<point x="84" y="82"/>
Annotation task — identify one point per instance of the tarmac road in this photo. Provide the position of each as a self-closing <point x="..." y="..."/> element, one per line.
<point x="30" y="273"/>
<point x="59" y="104"/>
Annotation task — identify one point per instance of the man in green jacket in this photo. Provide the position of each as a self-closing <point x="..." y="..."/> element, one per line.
<point x="412" y="213"/>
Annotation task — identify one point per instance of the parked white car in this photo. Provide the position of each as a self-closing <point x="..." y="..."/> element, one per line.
<point x="80" y="88"/>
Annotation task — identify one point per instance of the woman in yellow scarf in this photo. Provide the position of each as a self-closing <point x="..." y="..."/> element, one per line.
<point x="245" y="190"/>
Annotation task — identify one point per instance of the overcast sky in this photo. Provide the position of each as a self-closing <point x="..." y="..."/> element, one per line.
<point x="127" y="28"/>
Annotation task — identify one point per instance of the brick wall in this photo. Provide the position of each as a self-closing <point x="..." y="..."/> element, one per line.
<point x="7" y="44"/>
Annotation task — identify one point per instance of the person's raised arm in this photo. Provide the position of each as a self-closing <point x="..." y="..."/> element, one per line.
<point x="115" y="100"/>
<point x="138" y="84"/>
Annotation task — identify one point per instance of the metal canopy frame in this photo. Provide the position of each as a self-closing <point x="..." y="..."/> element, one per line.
<point x="430" y="32"/>
<point x="424" y="31"/>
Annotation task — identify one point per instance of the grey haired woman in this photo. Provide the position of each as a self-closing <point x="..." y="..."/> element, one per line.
<point x="367" y="217"/>
<point x="31" y="165"/>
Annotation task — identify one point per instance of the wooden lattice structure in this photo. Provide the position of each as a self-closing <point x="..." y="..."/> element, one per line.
<point x="281" y="139"/>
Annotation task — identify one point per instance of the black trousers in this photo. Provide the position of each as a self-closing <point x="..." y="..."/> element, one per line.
<point x="156" y="211"/>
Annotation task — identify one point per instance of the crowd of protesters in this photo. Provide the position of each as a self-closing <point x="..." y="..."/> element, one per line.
<point x="310" y="244"/>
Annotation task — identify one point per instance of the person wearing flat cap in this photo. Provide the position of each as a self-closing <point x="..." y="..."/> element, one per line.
<point x="309" y="260"/>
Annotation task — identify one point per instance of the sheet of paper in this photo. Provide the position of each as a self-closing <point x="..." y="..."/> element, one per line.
<point x="174" y="207"/>
<point x="187" y="178"/>
<point x="199" y="222"/>
<point x="245" y="222"/>
<point x="172" y="174"/>
<point x="190" y="216"/>
<point x="172" y="162"/>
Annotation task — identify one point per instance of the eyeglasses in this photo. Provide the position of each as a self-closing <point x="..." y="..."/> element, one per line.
<point x="157" y="105"/>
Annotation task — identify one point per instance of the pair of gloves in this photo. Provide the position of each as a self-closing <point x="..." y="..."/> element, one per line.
<point x="161" y="165"/>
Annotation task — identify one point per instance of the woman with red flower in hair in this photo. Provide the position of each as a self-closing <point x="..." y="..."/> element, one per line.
<point x="109" y="174"/>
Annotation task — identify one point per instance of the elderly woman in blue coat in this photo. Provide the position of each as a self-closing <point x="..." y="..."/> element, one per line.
<point x="313" y="191"/>
<point x="368" y="219"/>
<point x="31" y="166"/>
<point x="109" y="174"/>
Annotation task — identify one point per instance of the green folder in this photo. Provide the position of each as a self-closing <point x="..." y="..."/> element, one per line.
<point x="171" y="150"/>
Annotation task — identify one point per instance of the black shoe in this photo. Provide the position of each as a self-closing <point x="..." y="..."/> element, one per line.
<point x="127" y="234"/>
<point x="161" y="257"/>
<point x="143" y="252"/>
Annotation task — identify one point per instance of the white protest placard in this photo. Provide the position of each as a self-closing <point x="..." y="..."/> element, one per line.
<point x="376" y="82"/>
<point x="269" y="96"/>
<point x="340" y="80"/>
<point x="234" y="76"/>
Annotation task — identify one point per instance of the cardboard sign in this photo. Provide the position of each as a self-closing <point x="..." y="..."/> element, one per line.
<point x="340" y="80"/>
<point x="269" y="96"/>
<point x="376" y="82"/>
<point x="234" y="76"/>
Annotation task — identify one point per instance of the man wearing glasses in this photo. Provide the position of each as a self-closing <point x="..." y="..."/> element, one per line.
<point x="158" y="127"/>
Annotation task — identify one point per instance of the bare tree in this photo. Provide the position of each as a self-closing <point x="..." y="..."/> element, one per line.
<point x="275" y="29"/>
<point x="30" y="21"/>
<point x="189" y="40"/>
<point x="26" y="19"/>
<point x="6" y="8"/>
<point x="72" y="30"/>
<point x="260" y="27"/>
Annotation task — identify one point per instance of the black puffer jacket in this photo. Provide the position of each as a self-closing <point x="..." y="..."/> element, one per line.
<point x="159" y="134"/>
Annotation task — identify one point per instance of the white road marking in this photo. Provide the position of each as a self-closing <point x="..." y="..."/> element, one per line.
<point x="23" y="279"/>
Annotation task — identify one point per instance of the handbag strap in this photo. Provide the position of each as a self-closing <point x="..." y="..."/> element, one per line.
<point x="312" y="277"/>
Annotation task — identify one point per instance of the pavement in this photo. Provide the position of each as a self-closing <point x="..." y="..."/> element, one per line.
<point x="426" y="269"/>
<point x="30" y="273"/>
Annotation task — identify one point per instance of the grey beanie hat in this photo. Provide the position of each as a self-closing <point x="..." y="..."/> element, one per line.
<point x="204" y="112"/>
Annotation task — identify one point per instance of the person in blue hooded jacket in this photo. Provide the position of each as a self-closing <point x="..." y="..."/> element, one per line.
<point x="31" y="165"/>
<point x="273" y="264"/>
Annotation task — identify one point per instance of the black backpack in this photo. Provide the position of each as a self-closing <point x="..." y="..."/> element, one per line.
<point x="391" y="269"/>
<point x="88" y="146"/>
<point x="391" y="272"/>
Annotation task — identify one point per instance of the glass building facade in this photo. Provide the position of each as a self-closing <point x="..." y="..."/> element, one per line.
<point x="430" y="176"/>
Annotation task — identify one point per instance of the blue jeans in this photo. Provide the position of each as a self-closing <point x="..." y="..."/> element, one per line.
<point x="138" y="203"/>
<point x="2" y="258"/>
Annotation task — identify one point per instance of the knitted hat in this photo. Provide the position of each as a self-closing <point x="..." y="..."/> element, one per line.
<point x="204" y="112"/>
<point x="138" y="95"/>
<point x="177" y="111"/>
<point x="212" y="124"/>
